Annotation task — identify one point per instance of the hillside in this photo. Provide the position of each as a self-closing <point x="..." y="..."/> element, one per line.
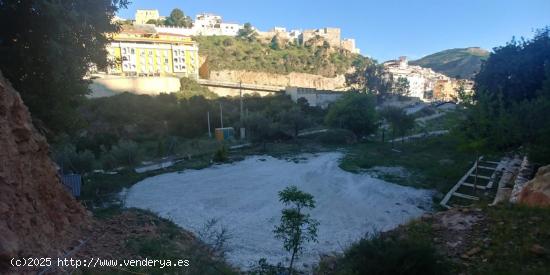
<point x="460" y="62"/>
<point x="228" y="53"/>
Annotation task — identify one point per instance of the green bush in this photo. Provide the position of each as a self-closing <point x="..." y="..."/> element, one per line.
<point x="125" y="153"/>
<point x="221" y="155"/>
<point x="354" y="111"/>
<point x="391" y="256"/>
<point x="190" y="88"/>
<point x="71" y="160"/>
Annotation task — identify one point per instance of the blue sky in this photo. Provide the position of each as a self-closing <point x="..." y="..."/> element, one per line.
<point x="383" y="29"/>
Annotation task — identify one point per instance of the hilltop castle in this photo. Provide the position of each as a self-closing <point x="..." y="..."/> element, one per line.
<point x="207" y="24"/>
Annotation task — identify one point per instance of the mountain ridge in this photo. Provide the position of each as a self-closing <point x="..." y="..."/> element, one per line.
<point x="456" y="62"/>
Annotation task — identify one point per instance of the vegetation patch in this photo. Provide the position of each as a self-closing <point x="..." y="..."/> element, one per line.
<point x="228" y="53"/>
<point x="432" y="162"/>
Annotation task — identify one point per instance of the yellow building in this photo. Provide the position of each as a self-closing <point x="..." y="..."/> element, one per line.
<point x="142" y="52"/>
<point x="143" y="16"/>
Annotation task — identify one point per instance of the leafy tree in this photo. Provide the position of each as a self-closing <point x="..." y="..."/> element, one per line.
<point x="70" y="160"/>
<point x="399" y="120"/>
<point x="276" y="43"/>
<point x="295" y="119"/>
<point x="247" y="32"/>
<point x="401" y="86"/>
<point x="190" y="88"/>
<point x="463" y="97"/>
<point x="353" y="111"/>
<point x="511" y="100"/>
<point x="296" y="228"/>
<point x="178" y="19"/>
<point x="156" y="22"/>
<point x="368" y="76"/>
<point x="47" y="49"/>
<point x="126" y="152"/>
<point x="261" y="128"/>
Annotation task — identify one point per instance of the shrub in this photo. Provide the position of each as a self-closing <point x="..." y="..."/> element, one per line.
<point x="221" y="155"/>
<point x="353" y="111"/>
<point x="391" y="255"/>
<point x="71" y="160"/>
<point x="126" y="152"/>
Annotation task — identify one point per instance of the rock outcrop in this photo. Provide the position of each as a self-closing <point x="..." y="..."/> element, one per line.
<point x="38" y="217"/>
<point x="284" y="80"/>
<point x="537" y="191"/>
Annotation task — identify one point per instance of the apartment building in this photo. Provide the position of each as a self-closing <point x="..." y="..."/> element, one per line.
<point x="144" y="52"/>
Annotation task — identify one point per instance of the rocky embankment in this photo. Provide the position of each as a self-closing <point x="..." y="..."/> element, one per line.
<point x="38" y="217"/>
<point x="537" y="191"/>
<point x="289" y="80"/>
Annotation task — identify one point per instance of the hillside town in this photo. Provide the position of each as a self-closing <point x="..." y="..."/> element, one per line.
<point x="424" y="83"/>
<point x="168" y="140"/>
<point x="148" y="50"/>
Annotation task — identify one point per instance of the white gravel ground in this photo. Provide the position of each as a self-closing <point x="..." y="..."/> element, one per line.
<point x="243" y="196"/>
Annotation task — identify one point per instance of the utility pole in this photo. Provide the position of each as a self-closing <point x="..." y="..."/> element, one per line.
<point x="221" y="115"/>
<point x="243" y="131"/>
<point x="241" y="97"/>
<point x="208" y="117"/>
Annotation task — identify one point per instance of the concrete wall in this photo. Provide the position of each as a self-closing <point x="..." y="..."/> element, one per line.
<point x="315" y="98"/>
<point x="110" y="85"/>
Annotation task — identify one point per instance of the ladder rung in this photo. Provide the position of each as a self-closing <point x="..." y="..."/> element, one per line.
<point x="480" y="177"/>
<point x="471" y="185"/>
<point x="486" y="167"/>
<point x="488" y="161"/>
<point x="464" y="196"/>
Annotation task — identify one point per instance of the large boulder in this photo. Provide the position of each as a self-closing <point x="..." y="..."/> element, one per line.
<point x="537" y="191"/>
<point x="38" y="217"/>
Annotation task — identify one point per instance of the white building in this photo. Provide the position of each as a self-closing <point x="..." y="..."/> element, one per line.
<point x="230" y="29"/>
<point x="207" y="21"/>
<point x="421" y="80"/>
<point x="206" y="24"/>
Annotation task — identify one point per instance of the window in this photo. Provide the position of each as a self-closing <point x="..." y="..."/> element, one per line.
<point x="132" y="51"/>
<point x="123" y="50"/>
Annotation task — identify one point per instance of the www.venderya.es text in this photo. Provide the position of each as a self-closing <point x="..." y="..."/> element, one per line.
<point x="97" y="262"/>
